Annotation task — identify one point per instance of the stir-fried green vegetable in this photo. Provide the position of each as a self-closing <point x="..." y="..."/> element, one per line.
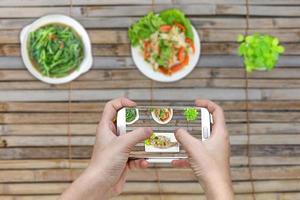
<point x="55" y="50"/>
<point x="130" y="114"/>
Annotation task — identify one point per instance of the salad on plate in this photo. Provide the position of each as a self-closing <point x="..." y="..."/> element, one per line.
<point x="165" y="40"/>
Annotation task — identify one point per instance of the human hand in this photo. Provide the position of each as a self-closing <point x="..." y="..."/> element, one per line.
<point x="209" y="159"/>
<point x="107" y="171"/>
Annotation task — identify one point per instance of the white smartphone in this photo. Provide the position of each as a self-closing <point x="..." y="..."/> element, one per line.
<point x="162" y="146"/>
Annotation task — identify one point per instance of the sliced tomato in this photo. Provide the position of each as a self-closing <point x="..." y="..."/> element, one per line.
<point x="146" y="49"/>
<point x="191" y="44"/>
<point x="181" y="65"/>
<point x="165" y="71"/>
<point x="180" y="26"/>
<point x="181" y="54"/>
<point x="165" y="28"/>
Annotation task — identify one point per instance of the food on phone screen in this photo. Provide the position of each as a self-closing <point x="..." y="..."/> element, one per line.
<point x="159" y="141"/>
<point x="132" y="115"/>
<point x="191" y="114"/>
<point x="162" y="115"/>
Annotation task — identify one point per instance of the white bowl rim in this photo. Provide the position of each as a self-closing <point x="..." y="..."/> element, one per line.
<point x="85" y="65"/>
<point x="148" y="71"/>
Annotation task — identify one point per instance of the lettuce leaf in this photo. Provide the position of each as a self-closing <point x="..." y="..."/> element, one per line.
<point x="174" y="15"/>
<point x="143" y="28"/>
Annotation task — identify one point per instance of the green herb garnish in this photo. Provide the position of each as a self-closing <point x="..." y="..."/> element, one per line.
<point x="148" y="140"/>
<point x="191" y="114"/>
<point x="260" y="52"/>
<point x="55" y="50"/>
<point x="130" y="114"/>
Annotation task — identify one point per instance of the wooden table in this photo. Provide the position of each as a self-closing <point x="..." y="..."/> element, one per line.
<point x="47" y="131"/>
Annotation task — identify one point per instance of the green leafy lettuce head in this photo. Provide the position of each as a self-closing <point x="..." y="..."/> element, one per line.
<point x="147" y="25"/>
<point x="143" y="28"/>
<point x="191" y="114"/>
<point x="260" y="52"/>
<point x="172" y="16"/>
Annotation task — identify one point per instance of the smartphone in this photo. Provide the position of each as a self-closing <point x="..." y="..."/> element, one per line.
<point x="162" y="146"/>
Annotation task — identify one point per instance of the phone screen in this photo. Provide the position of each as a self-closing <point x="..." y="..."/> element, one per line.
<point x="164" y="121"/>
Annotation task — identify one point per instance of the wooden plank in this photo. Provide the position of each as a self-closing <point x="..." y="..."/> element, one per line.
<point x="142" y="84"/>
<point x="134" y="74"/>
<point x="151" y="188"/>
<point x="97" y="11"/>
<point x="44" y="141"/>
<point x="25" y="12"/>
<point x="141" y="2"/>
<point x="81" y="2"/>
<point x="260" y="196"/>
<point x="45" y="129"/>
<point x="206" y="35"/>
<point x="58" y="107"/>
<point x="236" y="161"/>
<point x="42" y="153"/>
<point x="89" y="129"/>
<point x="84" y="152"/>
<point x="144" y="94"/>
<point x="203" y="22"/>
<point x="165" y="174"/>
<point x="207" y="61"/>
<point x="87" y="118"/>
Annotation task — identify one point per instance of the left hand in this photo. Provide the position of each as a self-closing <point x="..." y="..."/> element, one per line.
<point x="107" y="171"/>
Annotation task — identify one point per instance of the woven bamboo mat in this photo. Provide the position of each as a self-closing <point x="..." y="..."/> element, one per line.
<point x="47" y="131"/>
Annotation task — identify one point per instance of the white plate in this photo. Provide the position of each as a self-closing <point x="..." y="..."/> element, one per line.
<point x="148" y="71"/>
<point x="86" y="63"/>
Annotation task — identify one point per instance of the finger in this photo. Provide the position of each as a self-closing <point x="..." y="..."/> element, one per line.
<point x="129" y="140"/>
<point x="187" y="141"/>
<point x="215" y="110"/>
<point x="111" y="108"/>
<point x="140" y="164"/>
<point x="180" y="163"/>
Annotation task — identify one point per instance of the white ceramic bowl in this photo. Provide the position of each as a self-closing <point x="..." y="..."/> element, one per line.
<point x="86" y="63"/>
<point x="148" y="71"/>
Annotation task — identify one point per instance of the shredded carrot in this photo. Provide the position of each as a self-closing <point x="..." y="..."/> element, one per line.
<point x="165" y="28"/>
<point x="181" y="54"/>
<point x="146" y="49"/>
<point x="191" y="44"/>
<point x="181" y="65"/>
<point x="180" y="26"/>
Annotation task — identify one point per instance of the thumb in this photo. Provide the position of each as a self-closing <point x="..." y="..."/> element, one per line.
<point x="189" y="143"/>
<point x="130" y="139"/>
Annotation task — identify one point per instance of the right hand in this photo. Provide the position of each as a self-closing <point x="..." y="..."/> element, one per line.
<point x="209" y="159"/>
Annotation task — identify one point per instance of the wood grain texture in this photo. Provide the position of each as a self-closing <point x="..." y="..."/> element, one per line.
<point x="34" y="116"/>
